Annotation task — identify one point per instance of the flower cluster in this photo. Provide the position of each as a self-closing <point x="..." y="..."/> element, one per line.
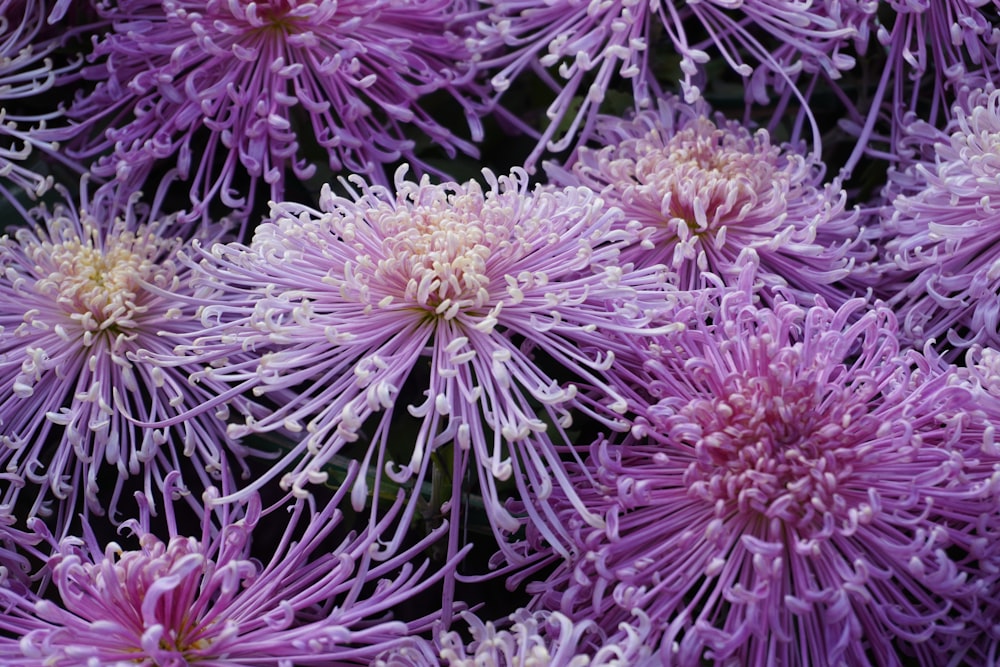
<point x="316" y="366"/>
<point x="795" y="488"/>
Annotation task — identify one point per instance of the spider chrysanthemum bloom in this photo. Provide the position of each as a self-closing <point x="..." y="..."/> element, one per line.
<point x="539" y="639"/>
<point x="173" y="598"/>
<point x="797" y="489"/>
<point x="589" y="46"/>
<point x="241" y="93"/>
<point x="931" y="49"/>
<point x="941" y="230"/>
<point x="88" y="296"/>
<point x="463" y="290"/>
<point x="27" y="73"/>
<point x="697" y="190"/>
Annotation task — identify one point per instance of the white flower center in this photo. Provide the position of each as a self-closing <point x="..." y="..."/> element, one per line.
<point x="99" y="285"/>
<point x="437" y="254"/>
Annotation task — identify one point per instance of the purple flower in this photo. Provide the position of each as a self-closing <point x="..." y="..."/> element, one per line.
<point x="27" y="72"/>
<point x="88" y="296"/>
<point x="582" y="48"/>
<point x="796" y="490"/>
<point x="539" y="639"/>
<point x="170" y="598"/>
<point x="241" y="92"/>
<point x="698" y="190"/>
<point x="940" y="257"/>
<point x="931" y="50"/>
<point x="440" y="309"/>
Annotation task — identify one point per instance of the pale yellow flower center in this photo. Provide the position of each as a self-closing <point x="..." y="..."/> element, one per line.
<point x="438" y="256"/>
<point x="100" y="285"/>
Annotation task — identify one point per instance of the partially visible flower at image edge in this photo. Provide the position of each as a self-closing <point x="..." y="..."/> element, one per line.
<point x="90" y="290"/>
<point x="940" y="232"/>
<point x="539" y="639"/>
<point x="932" y="50"/>
<point x="27" y="72"/>
<point x="240" y="93"/>
<point x="178" y="599"/>
<point x="797" y="488"/>
<point x="582" y="49"/>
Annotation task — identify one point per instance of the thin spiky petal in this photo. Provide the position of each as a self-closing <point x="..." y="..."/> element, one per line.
<point x="237" y="94"/>
<point x="797" y="489"/>
<point x="91" y="290"/>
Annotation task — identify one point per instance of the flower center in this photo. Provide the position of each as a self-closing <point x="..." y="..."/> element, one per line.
<point x="133" y="589"/>
<point x="771" y="445"/>
<point x="99" y="285"/>
<point x="151" y="594"/>
<point x="261" y="17"/>
<point x="438" y="255"/>
<point x="713" y="177"/>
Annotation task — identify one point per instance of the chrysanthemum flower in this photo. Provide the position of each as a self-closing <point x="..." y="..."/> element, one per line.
<point x="173" y="598"/>
<point x="931" y="49"/>
<point x="26" y="72"/>
<point x="461" y="291"/>
<point x="941" y="230"/>
<point x="539" y="639"/>
<point x="796" y="490"/>
<point x="697" y="190"/>
<point x="88" y="296"/>
<point x="239" y="93"/>
<point x="590" y="45"/>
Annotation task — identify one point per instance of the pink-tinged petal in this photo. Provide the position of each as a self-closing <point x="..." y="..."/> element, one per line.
<point x="798" y="488"/>
<point x="697" y="190"/>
